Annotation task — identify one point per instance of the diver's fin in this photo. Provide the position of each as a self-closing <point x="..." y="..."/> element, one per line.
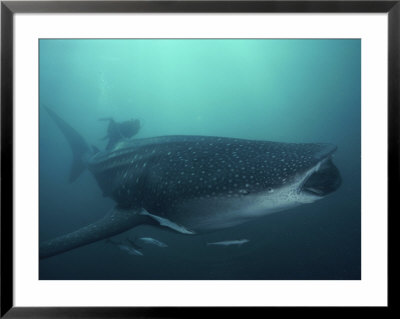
<point x="115" y="222"/>
<point x="167" y="223"/>
<point x="78" y="145"/>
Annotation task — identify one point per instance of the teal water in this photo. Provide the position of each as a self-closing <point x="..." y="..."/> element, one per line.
<point x="277" y="90"/>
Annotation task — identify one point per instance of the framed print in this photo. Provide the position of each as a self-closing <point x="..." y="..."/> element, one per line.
<point x="163" y="155"/>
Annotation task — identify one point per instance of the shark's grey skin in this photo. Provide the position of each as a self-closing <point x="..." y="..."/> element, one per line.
<point x="237" y="242"/>
<point x="196" y="184"/>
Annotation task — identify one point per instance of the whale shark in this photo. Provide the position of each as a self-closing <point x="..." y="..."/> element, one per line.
<point x="194" y="184"/>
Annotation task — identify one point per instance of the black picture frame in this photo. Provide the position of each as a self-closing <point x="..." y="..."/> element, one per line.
<point x="9" y="8"/>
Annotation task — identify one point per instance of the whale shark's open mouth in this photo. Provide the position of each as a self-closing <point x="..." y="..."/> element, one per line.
<point x="324" y="180"/>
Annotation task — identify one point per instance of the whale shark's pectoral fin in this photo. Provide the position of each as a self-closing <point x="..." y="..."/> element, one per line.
<point x="167" y="223"/>
<point x="115" y="222"/>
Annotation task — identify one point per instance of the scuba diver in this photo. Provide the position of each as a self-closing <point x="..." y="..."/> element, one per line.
<point x="118" y="131"/>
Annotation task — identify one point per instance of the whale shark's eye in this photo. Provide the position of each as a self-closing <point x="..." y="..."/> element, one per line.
<point x="270" y="190"/>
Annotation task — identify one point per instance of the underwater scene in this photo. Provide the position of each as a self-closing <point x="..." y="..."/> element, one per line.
<point x="200" y="159"/>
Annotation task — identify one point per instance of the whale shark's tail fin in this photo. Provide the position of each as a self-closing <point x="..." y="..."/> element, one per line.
<point x="80" y="148"/>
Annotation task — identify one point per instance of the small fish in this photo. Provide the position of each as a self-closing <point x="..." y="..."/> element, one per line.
<point x="152" y="241"/>
<point x="238" y="242"/>
<point x="130" y="250"/>
<point x="133" y="243"/>
<point x="122" y="246"/>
